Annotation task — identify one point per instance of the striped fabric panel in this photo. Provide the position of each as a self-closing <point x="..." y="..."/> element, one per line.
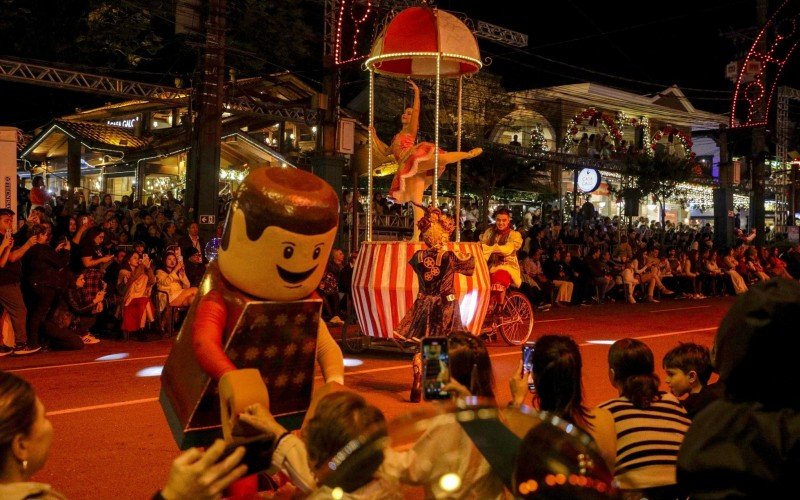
<point x="647" y="437"/>
<point x="385" y="286"/>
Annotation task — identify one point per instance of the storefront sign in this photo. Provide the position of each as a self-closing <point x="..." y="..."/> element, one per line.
<point x="8" y="167"/>
<point x="588" y="180"/>
<point x="123" y="122"/>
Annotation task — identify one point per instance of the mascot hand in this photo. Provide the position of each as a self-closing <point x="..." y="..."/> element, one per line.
<point x="261" y="420"/>
<point x="238" y="390"/>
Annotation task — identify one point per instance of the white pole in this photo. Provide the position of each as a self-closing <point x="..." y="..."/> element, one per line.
<point x="458" y="165"/>
<point x="368" y="210"/>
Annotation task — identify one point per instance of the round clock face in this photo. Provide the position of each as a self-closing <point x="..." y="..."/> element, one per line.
<point x="588" y="180"/>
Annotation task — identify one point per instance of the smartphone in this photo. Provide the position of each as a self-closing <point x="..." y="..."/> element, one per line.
<point x="257" y="453"/>
<point x="435" y="367"/>
<point x="527" y="363"/>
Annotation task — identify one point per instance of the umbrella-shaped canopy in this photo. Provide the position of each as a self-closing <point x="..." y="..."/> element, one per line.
<point x="410" y="44"/>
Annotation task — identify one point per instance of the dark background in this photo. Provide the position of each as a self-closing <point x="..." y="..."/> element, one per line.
<point x="642" y="47"/>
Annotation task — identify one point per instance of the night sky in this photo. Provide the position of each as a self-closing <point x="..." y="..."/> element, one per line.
<point x="640" y="46"/>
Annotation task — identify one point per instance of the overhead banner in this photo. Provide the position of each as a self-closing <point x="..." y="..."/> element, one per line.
<point x="8" y="167"/>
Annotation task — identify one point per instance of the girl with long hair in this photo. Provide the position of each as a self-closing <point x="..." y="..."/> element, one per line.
<point x="650" y="424"/>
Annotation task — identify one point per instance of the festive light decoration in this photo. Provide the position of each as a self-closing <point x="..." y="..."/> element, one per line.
<point x="668" y="131"/>
<point x="159" y="186"/>
<point x="233" y="175"/>
<point x="538" y="140"/>
<point x="594" y="118"/>
<point x="755" y="90"/>
<point x="349" y="6"/>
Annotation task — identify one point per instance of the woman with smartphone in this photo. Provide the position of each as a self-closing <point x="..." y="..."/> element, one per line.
<point x="135" y="282"/>
<point x="552" y="371"/>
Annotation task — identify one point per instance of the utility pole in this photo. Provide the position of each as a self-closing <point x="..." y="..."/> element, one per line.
<point x="202" y="177"/>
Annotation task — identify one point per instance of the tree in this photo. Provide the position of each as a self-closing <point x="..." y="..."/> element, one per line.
<point x="659" y="175"/>
<point x="496" y="170"/>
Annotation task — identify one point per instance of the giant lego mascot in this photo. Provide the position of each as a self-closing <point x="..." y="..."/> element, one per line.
<point x="255" y="327"/>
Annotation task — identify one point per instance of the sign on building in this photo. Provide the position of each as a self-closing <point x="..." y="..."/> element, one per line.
<point x="8" y="167"/>
<point x="346" y="136"/>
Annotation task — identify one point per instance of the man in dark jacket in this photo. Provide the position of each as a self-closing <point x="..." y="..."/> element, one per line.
<point x="599" y="277"/>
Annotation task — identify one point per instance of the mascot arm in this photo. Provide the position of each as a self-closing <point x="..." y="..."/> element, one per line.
<point x="209" y="323"/>
<point x="329" y="356"/>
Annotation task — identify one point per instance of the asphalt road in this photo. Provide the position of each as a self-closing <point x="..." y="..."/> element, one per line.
<point x="112" y="441"/>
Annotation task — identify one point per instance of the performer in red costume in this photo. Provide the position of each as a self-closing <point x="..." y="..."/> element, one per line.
<point x="256" y="320"/>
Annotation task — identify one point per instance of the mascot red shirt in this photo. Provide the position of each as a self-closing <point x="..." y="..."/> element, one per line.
<point x="277" y="240"/>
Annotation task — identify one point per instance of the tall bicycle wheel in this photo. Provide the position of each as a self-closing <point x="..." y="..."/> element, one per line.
<point x="516" y="324"/>
<point x="353" y="338"/>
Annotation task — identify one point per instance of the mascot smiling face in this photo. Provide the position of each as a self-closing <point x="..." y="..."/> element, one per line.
<point x="279" y="234"/>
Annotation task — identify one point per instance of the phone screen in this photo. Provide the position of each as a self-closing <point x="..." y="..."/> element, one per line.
<point x="435" y="368"/>
<point x="527" y="363"/>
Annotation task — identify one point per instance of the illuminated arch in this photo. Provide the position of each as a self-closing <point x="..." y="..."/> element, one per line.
<point x="530" y="125"/>
<point x="761" y="70"/>
<point x="682" y="138"/>
<point x="594" y="118"/>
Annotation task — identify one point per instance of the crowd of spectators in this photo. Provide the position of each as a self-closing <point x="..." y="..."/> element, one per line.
<point x="76" y="271"/>
<point x="601" y="259"/>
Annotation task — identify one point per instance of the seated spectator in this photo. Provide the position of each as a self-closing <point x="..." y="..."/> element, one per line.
<point x="690" y="263"/>
<point x="557" y="275"/>
<point x="154" y="245"/>
<point x="712" y="272"/>
<point x="169" y="234"/>
<point x="67" y="327"/>
<point x="774" y="265"/>
<point x="753" y="263"/>
<point x="26" y="435"/>
<point x="631" y="278"/>
<point x="650" y="424"/>
<point x="688" y="368"/>
<point x="111" y="274"/>
<point x="728" y="265"/>
<point x="535" y="284"/>
<point x="134" y="284"/>
<point x="792" y="258"/>
<point x="600" y="278"/>
<point x="171" y="279"/>
<point x="557" y="376"/>
<point x="329" y="287"/>
<point x="746" y="444"/>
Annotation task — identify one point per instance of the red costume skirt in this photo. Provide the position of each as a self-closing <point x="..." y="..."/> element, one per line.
<point x="500" y="280"/>
<point x="133" y="313"/>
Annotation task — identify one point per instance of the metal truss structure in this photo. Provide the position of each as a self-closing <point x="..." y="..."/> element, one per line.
<point x="781" y="179"/>
<point x="47" y="76"/>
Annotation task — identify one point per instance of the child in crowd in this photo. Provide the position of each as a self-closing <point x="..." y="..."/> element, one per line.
<point x="688" y="368"/>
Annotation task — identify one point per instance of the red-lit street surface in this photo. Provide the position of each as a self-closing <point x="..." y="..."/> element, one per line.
<point x="112" y="441"/>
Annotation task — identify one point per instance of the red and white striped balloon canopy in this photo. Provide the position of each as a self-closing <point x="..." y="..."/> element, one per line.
<point x="411" y="43"/>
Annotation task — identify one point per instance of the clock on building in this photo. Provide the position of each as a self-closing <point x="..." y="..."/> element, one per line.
<point x="588" y="180"/>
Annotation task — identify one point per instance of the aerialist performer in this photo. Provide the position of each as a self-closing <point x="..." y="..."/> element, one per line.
<point x="416" y="160"/>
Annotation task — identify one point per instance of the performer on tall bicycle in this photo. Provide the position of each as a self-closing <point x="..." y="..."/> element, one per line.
<point x="500" y="244"/>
